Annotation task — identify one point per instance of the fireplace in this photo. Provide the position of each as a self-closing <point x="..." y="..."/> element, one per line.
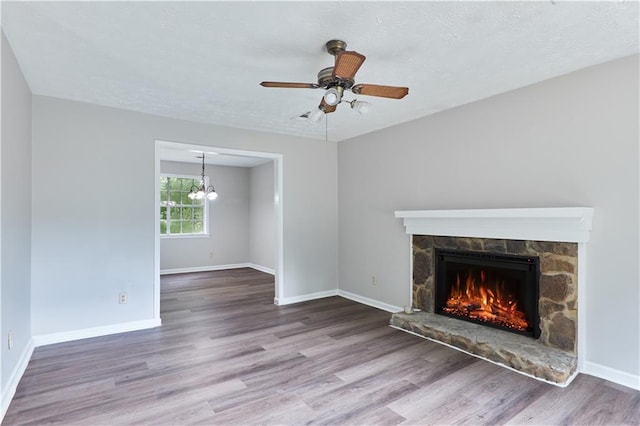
<point x="492" y="289"/>
<point x="547" y="242"/>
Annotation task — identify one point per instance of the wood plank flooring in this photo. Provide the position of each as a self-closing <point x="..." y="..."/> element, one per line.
<point x="227" y="355"/>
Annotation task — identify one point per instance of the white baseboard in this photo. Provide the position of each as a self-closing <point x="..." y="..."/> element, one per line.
<point x="347" y="295"/>
<point x="205" y="268"/>
<point x="262" y="269"/>
<point x="12" y="384"/>
<point x="305" y="297"/>
<point x="611" y="374"/>
<point x="371" y="302"/>
<point x="86" y="333"/>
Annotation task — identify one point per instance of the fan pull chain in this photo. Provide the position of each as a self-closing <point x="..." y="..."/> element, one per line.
<point x="326" y="128"/>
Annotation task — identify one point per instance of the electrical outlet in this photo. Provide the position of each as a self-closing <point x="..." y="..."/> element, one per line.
<point x="374" y="280"/>
<point x="10" y="340"/>
<point x="122" y="298"/>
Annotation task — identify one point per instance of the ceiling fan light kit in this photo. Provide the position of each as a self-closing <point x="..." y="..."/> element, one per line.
<point x="361" y="107"/>
<point x="338" y="78"/>
<point x="315" y="115"/>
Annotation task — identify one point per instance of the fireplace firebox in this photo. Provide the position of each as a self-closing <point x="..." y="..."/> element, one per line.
<point x="491" y="289"/>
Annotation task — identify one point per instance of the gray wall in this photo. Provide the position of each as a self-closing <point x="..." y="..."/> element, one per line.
<point x="228" y="242"/>
<point x="570" y="141"/>
<point x="15" y="223"/>
<point x="262" y="221"/>
<point x="87" y="249"/>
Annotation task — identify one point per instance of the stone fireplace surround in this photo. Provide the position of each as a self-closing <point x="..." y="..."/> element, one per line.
<point x="557" y="235"/>
<point x="558" y="277"/>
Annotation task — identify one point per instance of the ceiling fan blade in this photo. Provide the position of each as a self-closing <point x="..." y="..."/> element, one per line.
<point x="286" y="85"/>
<point x="380" y="91"/>
<point x="348" y="64"/>
<point x="326" y="107"/>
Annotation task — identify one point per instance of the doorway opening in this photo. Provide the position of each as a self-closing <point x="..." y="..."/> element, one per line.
<point x="168" y="153"/>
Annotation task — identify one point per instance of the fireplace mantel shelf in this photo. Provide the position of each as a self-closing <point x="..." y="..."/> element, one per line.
<point x="566" y="224"/>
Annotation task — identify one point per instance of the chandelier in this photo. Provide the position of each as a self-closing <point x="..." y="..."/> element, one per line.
<point x="198" y="193"/>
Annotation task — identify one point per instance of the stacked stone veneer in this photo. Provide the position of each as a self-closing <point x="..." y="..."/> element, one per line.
<point x="558" y="279"/>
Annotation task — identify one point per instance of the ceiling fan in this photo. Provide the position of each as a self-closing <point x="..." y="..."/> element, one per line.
<point x="338" y="78"/>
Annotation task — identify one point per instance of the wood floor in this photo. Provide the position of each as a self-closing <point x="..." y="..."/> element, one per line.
<point x="226" y="354"/>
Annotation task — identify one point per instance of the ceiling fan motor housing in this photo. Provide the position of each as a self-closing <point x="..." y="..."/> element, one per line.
<point x="326" y="79"/>
<point x="335" y="47"/>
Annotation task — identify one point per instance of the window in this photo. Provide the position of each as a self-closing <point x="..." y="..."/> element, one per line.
<point x="180" y="215"/>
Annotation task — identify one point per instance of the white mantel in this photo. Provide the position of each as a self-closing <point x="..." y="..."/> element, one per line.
<point x="561" y="224"/>
<point x="564" y="224"/>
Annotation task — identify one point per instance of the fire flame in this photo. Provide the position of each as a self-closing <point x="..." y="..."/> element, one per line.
<point x="486" y="302"/>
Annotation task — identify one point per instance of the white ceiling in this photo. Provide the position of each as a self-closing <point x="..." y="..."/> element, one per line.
<point x="203" y="61"/>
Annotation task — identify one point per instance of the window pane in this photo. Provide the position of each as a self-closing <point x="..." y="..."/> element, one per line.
<point x="163" y="227"/>
<point x="184" y="198"/>
<point x="175" y="183"/>
<point x="163" y="213"/>
<point x="180" y="213"/>
<point x="175" y="197"/>
<point x="175" y="226"/>
<point x="163" y="188"/>
<point x="187" y="213"/>
<point x="198" y="213"/>
<point x="197" y="227"/>
<point x="175" y="213"/>
<point x="187" y="228"/>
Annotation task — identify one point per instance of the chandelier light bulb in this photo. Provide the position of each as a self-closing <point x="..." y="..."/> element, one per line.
<point x="212" y="195"/>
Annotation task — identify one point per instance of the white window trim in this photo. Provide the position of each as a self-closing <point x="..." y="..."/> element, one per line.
<point x="205" y="226"/>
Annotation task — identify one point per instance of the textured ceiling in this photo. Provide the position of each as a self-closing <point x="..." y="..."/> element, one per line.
<point x="202" y="61"/>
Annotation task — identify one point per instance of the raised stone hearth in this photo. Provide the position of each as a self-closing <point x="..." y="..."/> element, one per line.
<point x="520" y="353"/>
